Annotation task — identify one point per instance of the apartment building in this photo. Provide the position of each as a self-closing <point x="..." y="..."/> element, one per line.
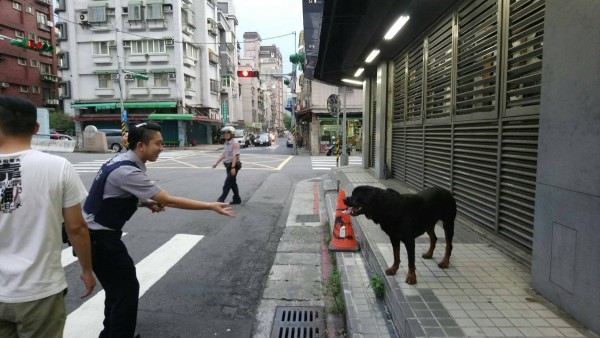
<point x="174" y="45"/>
<point x="270" y="62"/>
<point x="28" y="73"/>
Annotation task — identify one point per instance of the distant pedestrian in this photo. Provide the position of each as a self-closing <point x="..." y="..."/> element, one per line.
<point x="116" y="191"/>
<point x="231" y="160"/>
<point x="38" y="191"/>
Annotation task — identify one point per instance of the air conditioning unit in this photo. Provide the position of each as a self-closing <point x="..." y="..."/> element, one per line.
<point x="83" y="17"/>
<point x="112" y="43"/>
<point x="49" y="23"/>
<point x="114" y="76"/>
<point x="169" y="42"/>
<point x="171" y="76"/>
<point x="128" y="77"/>
<point x="4" y="85"/>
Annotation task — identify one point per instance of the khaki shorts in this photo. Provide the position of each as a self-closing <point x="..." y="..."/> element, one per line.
<point x="36" y="319"/>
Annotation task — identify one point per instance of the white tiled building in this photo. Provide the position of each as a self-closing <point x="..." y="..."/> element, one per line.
<point x="183" y="47"/>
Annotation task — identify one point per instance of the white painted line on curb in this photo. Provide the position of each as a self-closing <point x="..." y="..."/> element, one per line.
<point x="86" y="321"/>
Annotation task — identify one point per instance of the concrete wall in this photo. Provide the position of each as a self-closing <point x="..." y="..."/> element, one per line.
<point x="566" y="252"/>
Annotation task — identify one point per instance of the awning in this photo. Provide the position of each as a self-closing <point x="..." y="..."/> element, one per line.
<point x="98" y="106"/>
<point x="163" y="117"/>
<point x="163" y="104"/>
<point x="105" y="71"/>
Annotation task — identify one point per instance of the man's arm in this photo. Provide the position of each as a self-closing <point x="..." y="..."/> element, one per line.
<point x="79" y="237"/>
<point x="178" y="202"/>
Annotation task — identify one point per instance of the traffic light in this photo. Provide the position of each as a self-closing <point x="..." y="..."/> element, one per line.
<point x="31" y="44"/>
<point x="247" y="73"/>
<point x="297" y="58"/>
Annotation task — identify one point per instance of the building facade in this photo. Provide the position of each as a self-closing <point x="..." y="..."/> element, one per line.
<point x="495" y="101"/>
<point x="175" y="46"/>
<point x="270" y="61"/>
<point x="28" y="73"/>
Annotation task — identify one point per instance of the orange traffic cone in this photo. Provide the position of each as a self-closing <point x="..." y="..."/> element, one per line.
<point x="343" y="238"/>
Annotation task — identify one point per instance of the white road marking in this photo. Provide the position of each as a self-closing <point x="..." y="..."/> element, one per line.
<point x="86" y="321"/>
<point x="66" y="256"/>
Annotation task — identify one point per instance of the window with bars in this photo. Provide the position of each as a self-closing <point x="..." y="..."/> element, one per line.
<point x="190" y="51"/>
<point x="399" y="88"/>
<point x="438" y="102"/>
<point x="148" y="46"/>
<point x="414" y="95"/>
<point x="154" y="11"/>
<point x="161" y="80"/>
<point x="100" y="48"/>
<point x="105" y="81"/>
<point x="97" y="14"/>
<point x="189" y="82"/>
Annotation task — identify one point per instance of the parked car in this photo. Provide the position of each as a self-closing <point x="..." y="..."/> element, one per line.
<point x="114" y="139"/>
<point x="241" y="137"/>
<point x="262" y="140"/>
<point x="289" y="142"/>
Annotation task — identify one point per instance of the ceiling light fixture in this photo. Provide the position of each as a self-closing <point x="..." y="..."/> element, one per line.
<point x="354" y="82"/>
<point x="396" y="27"/>
<point x="372" y="56"/>
<point x="359" y="71"/>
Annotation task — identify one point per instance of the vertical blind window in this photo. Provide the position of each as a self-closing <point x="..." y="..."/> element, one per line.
<point x="97" y="14"/>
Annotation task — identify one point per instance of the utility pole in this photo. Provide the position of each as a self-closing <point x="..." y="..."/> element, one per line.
<point x="121" y="86"/>
<point x="344" y="155"/>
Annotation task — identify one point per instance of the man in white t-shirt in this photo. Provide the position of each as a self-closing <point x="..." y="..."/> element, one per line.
<point x="37" y="192"/>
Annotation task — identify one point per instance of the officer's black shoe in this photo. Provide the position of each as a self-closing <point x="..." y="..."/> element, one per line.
<point x="220" y="200"/>
<point x="236" y="202"/>
<point x="137" y="335"/>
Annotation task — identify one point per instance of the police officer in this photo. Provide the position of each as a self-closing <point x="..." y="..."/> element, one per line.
<point x="118" y="187"/>
<point x="231" y="160"/>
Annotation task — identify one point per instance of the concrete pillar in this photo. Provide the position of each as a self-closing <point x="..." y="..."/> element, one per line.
<point x="566" y="250"/>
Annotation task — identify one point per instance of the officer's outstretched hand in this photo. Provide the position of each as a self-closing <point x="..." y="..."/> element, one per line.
<point x="222" y="208"/>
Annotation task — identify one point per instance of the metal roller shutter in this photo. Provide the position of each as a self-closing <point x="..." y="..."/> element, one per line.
<point x="439" y="65"/>
<point x="438" y="156"/>
<point x="398" y="132"/>
<point x="414" y="156"/>
<point x="475" y="170"/>
<point x="517" y="179"/>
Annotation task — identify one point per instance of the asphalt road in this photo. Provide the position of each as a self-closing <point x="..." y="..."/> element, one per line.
<point x="202" y="274"/>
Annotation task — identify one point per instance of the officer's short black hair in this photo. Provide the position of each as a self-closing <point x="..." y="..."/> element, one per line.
<point x="18" y="116"/>
<point x="141" y="132"/>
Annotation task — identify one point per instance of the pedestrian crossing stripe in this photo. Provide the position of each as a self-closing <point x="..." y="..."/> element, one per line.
<point x="66" y="256"/>
<point x="86" y="321"/>
<point x="327" y="163"/>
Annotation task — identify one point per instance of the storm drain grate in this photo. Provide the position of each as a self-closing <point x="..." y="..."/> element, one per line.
<point x="298" y="322"/>
<point x="307" y="218"/>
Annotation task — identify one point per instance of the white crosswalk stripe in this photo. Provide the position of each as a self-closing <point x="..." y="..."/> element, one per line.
<point x="328" y="162"/>
<point x="94" y="166"/>
<point x="86" y="321"/>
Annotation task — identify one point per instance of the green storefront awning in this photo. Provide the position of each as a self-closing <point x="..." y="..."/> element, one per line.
<point x="98" y="106"/>
<point x="164" y="104"/>
<point x="162" y="117"/>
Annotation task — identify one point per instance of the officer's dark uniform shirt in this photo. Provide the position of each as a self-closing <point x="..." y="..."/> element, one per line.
<point x="125" y="182"/>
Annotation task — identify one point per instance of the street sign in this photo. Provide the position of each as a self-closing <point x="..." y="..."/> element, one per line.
<point x="333" y="105"/>
<point x="124" y="115"/>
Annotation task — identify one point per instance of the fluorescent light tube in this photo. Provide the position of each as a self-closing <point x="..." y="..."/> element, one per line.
<point x="359" y="71"/>
<point x="396" y="27"/>
<point x="360" y="83"/>
<point x="372" y="56"/>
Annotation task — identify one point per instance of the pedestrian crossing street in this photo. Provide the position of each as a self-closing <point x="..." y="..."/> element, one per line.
<point x="329" y="162"/>
<point x="86" y="321"/>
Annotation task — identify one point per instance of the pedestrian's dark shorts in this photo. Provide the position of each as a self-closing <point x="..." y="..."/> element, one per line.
<point x="238" y="165"/>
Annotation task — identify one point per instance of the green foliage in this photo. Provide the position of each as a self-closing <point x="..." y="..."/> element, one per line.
<point x="377" y="285"/>
<point x="334" y="289"/>
<point x="60" y="121"/>
<point x="287" y="121"/>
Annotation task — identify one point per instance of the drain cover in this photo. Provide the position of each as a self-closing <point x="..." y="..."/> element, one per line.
<point x="298" y="321"/>
<point x="307" y="218"/>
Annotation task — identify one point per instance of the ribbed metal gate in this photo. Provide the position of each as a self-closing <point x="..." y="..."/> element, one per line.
<point x="465" y="112"/>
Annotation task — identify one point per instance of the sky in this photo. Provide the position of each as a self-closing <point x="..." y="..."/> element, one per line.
<point x="271" y="18"/>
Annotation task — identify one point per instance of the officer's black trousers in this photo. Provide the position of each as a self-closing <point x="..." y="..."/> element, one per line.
<point x="115" y="271"/>
<point x="231" y="184"/>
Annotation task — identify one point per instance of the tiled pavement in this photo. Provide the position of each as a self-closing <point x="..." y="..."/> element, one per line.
<point x="484" y="293"/>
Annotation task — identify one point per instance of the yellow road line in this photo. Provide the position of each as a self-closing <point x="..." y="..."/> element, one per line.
<point x="284" y="162"/>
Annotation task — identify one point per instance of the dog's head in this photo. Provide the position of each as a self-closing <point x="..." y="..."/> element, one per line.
<point x="362" y="200"/>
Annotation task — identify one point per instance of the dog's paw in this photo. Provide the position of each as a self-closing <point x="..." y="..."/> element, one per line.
<point x="411" y="278"/>
<point x="444" y="264"/>
<point x="391" y="271"/>
<point x="427" y="255"/>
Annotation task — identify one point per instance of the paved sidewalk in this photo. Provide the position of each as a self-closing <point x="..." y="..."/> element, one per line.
<point x="484" y="293"/>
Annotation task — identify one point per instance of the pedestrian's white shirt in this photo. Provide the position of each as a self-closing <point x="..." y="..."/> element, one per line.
<point x="34" y="189"/>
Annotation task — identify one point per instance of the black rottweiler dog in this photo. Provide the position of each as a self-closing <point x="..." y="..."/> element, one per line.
<point x="405" y="217"/>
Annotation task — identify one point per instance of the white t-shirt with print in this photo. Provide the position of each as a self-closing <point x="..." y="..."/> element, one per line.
<point x="34" y="188"/>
